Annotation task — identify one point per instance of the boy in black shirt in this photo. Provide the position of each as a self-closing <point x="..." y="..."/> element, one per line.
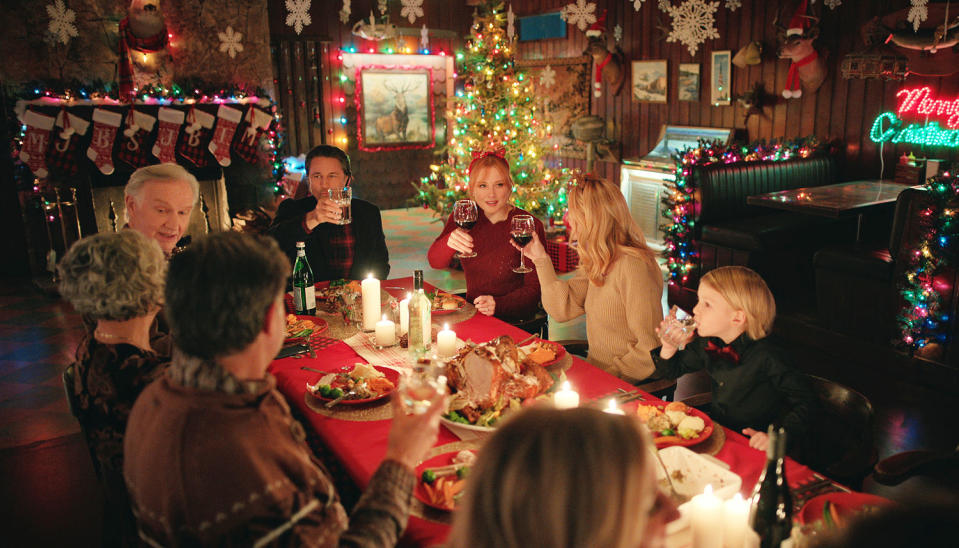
<point x="753" y="384"/>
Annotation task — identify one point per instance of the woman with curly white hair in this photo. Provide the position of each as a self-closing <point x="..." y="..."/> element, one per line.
<point x="115" y="280"/>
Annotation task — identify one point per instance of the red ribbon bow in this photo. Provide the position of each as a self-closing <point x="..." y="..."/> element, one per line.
<point x="499" y="152"/>
<point x="722" y="352"/>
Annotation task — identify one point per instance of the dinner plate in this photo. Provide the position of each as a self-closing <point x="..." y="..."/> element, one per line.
<point x="460" y="302"/>
<point x="420" y="492"/>
<point x="846" y="505"/>
<point x="320" y="324"/>
<point x="391" y="374"/>
<point x="466" y="431"/>
<point x="668" y="441"/>
<point x="559" y="349"/>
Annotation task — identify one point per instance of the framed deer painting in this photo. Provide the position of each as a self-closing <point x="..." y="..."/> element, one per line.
<point x="395" y="108"/>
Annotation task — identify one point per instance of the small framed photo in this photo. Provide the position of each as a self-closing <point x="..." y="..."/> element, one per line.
<point x="720" y="78"/>
<point x="688" y="82"/>
<point x="650" y="81"/>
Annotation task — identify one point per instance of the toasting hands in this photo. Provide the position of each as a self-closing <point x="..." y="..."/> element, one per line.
<point x="412" y="435"/>
<point x="533" y="250"/>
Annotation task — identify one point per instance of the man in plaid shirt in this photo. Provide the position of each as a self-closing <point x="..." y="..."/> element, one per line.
<point x="335" y="251"/>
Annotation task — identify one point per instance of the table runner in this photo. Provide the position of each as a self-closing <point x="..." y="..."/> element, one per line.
<point x="359" y="446"/>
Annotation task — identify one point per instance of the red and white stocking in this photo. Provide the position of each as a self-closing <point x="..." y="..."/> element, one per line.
<point x="63" y="158"/>
<point x="134" y="149"/>
<point x="170" y="121"/>
<point x="35" y="141"/>
<point x="247" y="142"/>
<point x="227" y="120"/>
<point x="196" y="133"/>
<point x="105" y="125"/>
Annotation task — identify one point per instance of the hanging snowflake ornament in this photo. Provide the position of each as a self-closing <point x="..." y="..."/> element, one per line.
<point x="345" y="12"/>
<point x="510" y="23"/>
<point x="918" y="13"/>
<point x="230" y="42"/>
<point x="618" y="34"/>
<point x="832" y="4"/>
<point x="61" y="21"/>
<point x="299" y="14"/>
<point x="693" y="23"/>
<point x="547" y="78"/>
<point x="637" y="4"/>
<point x="582" y="14"/>
<point x="663" y="5"/>
<point x="412" y="9"/>
<point x="733" y="5"/>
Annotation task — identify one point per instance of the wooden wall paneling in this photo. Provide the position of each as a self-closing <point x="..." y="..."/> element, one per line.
<point x="285" y="91"/>
<point x="299" y="77"/>
<point x="767" y="68"/>
<point x="726" y="40"/>
<point x="314" y="106"/>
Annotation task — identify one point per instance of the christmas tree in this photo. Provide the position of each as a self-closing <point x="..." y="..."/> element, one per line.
<point x="497" y="107"/>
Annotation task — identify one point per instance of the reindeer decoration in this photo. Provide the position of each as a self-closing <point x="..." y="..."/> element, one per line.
<point x="796" y="44"/>
<point x="394" y="123"/>
<point x="607" y="63"/>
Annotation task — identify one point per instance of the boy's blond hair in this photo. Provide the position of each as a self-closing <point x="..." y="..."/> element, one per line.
<point x="745" y="290"/>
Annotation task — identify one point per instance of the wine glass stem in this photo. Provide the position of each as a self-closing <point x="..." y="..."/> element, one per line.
<point x="522" y="262"/>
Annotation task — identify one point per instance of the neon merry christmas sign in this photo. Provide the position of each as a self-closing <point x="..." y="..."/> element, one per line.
<point x="919" y="102"/>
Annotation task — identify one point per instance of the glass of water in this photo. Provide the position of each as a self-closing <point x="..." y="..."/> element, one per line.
<point x="418" y="387"/>
<point x="680" y="324"/>
<point x="342" y="197"/>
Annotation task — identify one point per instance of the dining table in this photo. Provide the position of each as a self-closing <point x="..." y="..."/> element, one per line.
<point x="356" y="436"/>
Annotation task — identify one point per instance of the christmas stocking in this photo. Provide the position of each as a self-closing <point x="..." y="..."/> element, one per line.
<point x="192" y="147"/>
<point x="105" y="124"/>
<point x="170" y="121"/>
<point x="134" y="150"/>
<point x="64" y="156"/>
<point x="228" y="118"/>
<point x="35" y="141"/>
<point x="254" y="125"/>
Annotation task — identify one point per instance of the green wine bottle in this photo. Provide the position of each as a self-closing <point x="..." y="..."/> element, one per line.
<point x="304" y="293"/>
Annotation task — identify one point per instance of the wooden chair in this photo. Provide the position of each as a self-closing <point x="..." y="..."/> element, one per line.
<point x="210" y="214"/>
<point x="537" y="325"/>
<point x="69" y="382"/>
<point x="941" y="467"/>
<point x="663" y="389"/>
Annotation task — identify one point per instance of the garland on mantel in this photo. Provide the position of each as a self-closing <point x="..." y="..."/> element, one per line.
<point x="680" y="206"/>
<point x="922" y="320"/>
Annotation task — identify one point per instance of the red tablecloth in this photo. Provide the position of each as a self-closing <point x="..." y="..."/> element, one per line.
<point x="359" y="446"/>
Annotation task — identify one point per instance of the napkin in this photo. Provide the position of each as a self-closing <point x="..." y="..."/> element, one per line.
<point x="394" y="357"/>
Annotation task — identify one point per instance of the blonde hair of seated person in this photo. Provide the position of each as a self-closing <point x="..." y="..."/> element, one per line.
<point x="552" y="478"/>
<point x="603" y="226"/>
<point x="745" y="290"/>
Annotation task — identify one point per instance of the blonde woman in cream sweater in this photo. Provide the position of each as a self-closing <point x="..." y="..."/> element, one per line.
<point x="618" y="284"/>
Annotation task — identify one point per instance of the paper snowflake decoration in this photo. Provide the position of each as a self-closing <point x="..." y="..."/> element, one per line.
<point x="346" y="11"/>
<point x="618" y="33"/>
<point x="663" y="5"/>
<point x="510" y="23"/>
<point x="230" y="42"/>
<point x="412" y="9"/>
<point x="733" y="5"/>
<point x="547" y="78"/>
<point x="832" y="4"/>
<point x="918" y="13"/>
<point x="693" y="23"/>
<point x="61" y="21"/>
<point x="581" y="14"/>
<point x="299" y="14"/>
<point x="637" y="4"/>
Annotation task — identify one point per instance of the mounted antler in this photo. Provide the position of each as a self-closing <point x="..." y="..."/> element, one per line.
<point x="796" y="44"/>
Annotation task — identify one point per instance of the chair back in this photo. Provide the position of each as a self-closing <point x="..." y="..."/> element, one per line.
<point x="840" y="440"/>
<point x="69" y="381"/>
<point x="210" y="213"/>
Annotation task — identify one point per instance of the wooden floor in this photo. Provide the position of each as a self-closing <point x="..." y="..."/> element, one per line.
<point x="49" y="495"/>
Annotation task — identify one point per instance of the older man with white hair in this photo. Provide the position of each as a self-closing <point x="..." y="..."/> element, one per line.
<point x="159" y="200"/>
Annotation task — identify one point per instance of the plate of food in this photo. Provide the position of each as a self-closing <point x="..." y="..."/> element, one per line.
<point x="362" y="383"/>
<point x="543" y="353"/>
<point x="304" y="327"/>
<point x="440" y="480"/>
<point x="444" y="303"/>
<point x="675" y="423"/>
<point x="329" y="299"/>
<point x="835" y="509"/>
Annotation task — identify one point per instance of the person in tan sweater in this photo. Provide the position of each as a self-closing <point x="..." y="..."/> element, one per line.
<point x="618" y="284"/>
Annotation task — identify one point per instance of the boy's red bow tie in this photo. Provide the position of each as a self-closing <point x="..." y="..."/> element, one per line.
<point x="722" y="352"/>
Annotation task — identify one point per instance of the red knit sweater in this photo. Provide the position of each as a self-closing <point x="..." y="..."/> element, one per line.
<point x="491" y="271"/>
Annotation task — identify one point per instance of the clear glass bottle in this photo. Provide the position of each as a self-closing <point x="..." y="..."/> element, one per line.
<point x="770" y="508"/>
<point x="420" y="332"/>
<point x="304" y="292"/>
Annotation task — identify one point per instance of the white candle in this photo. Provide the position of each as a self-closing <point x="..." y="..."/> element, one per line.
<point x="613" y="409"/>
<point x="565" y="397"/>
<point x="371" y="302"/>
<point x="385" y="332"/>
<point x="405" y="315"/>
<point x="446" y="342"/>
<point x="735" y="517"/>
<point x="706" y="519"/>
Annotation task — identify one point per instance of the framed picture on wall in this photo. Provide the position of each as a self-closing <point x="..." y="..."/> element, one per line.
<point x="561" y="91"/>
<point x="650" y="82"/>
<point x="688" y="85"/>
<point x="720" y="78"/>
<point x="394" y="108"/>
